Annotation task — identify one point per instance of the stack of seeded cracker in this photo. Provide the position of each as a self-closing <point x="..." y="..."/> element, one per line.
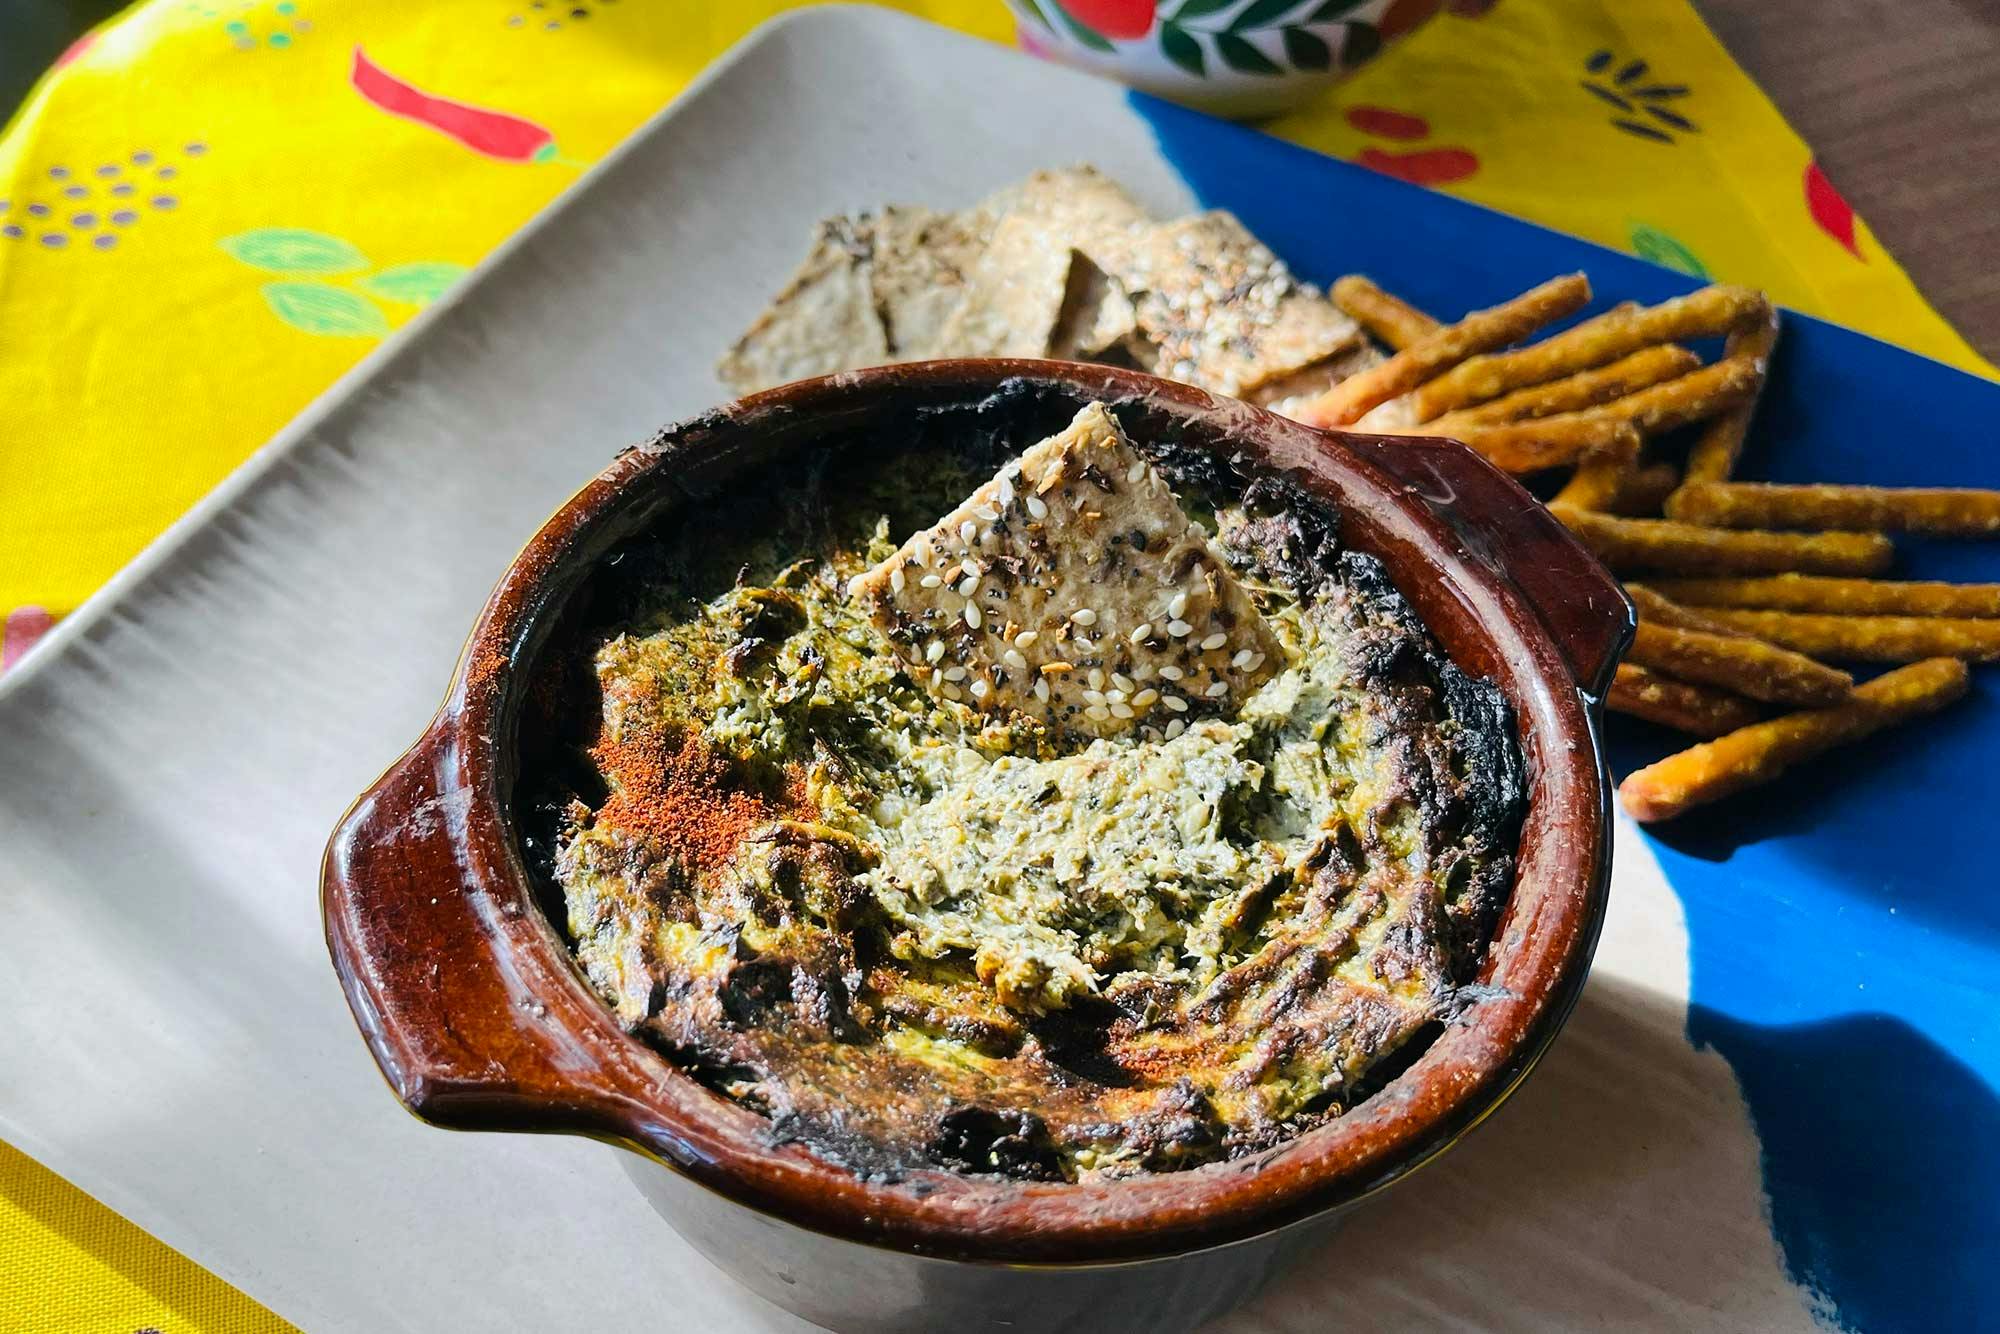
<point x="1064" y="264"/>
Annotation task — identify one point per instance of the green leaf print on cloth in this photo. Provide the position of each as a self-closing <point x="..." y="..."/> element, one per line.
<point x="1649" y="242"/>
<point x="414" y="284"/>
<point x="341" y="308"/>
<point x="322" y="308"/>
<point x="294" y="250"/>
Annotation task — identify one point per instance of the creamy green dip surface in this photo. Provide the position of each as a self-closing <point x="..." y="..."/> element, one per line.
<point x="1236" y="921"/>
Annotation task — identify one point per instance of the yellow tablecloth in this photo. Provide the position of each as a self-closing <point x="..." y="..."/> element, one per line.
<point x="212" y="208"/>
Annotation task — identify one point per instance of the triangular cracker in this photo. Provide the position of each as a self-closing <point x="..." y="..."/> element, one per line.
<point x="1289" y="393"/>
<point x="824" y="320"/>
<point x="921" y="261"/>
<point x="1082" y="202"/>
<point x="1013" y="295"/>
<point x="1080" y="208"/>
<point x="1097" y="317"/>
<point x="1221" y="310"/>
<point x="1073" y="588"/>
<point x="876" y="287"/>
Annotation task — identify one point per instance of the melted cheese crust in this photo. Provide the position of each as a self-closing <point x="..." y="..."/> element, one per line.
<point x="941" y="935"/>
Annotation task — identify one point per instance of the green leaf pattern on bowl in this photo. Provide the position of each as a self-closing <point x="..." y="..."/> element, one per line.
<point x="1187" y="41"/>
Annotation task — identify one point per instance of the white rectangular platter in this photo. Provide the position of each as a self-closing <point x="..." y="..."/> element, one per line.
<point x="176" y="754"/>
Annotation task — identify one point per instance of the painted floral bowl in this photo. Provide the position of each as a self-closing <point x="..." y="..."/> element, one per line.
<point x="1232" y="57"/>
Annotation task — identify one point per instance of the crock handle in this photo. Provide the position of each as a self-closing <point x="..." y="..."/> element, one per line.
<point x="1584" y="609"/>
<point x="419" y="942"/>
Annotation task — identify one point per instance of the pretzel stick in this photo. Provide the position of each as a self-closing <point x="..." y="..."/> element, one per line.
<point x="1695" y="648"/>
<point x="1693" y="397"/>
<point x="1935" y="511"/>
<point x="1617" y="333"/>
<point x="1600" y="478"/>
<point x="1760" y="752"/>
<point x="1746" y="666"/>
<point x="1645" y="489"/>
<point x="1444" y="347"/>
<point x="1868" y="638"/>
<point x="1393" y="320"/>
<point x="1662" y="610"/>
<point x="1631" y="545"/>
<point x="1551" y="442"/>
<point x="1713" y="456"/>
<point x="1585" y="389"/>
<point x="1544" y="442"/>
<point x="1701" y="710"/>
<point x="1851" y="597"/>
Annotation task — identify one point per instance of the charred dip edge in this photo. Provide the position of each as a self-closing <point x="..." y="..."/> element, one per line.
<point x="772" y="980"/>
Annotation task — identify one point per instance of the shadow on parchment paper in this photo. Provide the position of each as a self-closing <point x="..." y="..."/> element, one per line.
<point x="1618" y="1188"/>
<point x="1623" y="1187"/>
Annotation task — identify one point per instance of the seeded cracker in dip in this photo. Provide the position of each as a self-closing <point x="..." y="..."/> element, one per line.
<point x="1118" y="820"/>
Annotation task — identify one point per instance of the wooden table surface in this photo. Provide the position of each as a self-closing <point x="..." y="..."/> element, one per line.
<point x="1900" y="99"/>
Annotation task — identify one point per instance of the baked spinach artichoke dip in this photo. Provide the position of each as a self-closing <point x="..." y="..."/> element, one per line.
<point x="1061" y="813"/>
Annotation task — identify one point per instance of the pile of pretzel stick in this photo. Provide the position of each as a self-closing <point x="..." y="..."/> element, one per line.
<point x="1746" y="592"/>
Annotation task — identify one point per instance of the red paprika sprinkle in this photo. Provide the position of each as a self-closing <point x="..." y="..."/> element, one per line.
<point x="680" y="792"/>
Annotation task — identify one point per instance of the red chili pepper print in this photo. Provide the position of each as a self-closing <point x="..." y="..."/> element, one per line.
<point x="75" y="49"/>
<point x="1423" y="166"/>
<point x="497" y="135"/>
<point x="1122" y="19"/>
<point x="23" y="626"/>
<point x="1386" y="124"/>
<point x="1833" y="214"/>
<point x="1404" y="16"/>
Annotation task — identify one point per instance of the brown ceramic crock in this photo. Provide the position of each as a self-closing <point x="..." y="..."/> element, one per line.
<point x="469" y="1000"/>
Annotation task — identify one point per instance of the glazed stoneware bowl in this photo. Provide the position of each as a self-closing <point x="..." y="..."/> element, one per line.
<point x="1231" y="57"/>
<point x="449" y="946"/>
